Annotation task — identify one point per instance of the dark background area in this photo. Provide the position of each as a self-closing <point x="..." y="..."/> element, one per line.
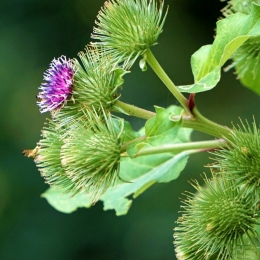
<point x="32" y="33"/>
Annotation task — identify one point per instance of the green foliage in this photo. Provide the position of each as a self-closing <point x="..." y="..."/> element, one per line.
<point x="246" y="58"/>
<point x="65" y="202"/>
<point x="142" y="173"/>
<point x="138" y="175"/>
<point x="161" y="130"/>
<point x="232" y="32"/>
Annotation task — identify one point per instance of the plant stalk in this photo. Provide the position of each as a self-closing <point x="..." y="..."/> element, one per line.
<point x="200" y="123"/>
<point x="135" y="111"/>
<point x="151" y="60"/>
<point x="177" y="148"/>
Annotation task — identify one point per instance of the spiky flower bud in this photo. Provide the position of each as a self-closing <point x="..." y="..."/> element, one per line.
<point x="96" y="84"/>
<point x="239" y="6"/>
<point x="240" y="161"/>
<point x="246" y="61"/>
<point x="86" y="160"/>
<point x="91" y="155"/>
<point x="217" y="223"/>
<point x="127" y="28"/>
<point x="48" y="159"/>
<point x="57" y="88"/>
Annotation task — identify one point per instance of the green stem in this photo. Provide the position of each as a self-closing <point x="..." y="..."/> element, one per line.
<point x="136" y="140"/>
<point x="212" y="128"/>
<point x="151" y="60"/>
<point x="134" y="111"/>
<point x="200" y="123"/>
<point x="177" y="148"/>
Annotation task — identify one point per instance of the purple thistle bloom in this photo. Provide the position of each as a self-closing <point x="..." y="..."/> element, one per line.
<point x="58" y="86"/>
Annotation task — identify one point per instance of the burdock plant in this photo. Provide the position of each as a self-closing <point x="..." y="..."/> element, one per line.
<point x="241" y="161"/>
<point x="127" y="29"/>
<point x="246" y="59"/>
<point x="87" y="160"/>
<point x="86" y="149"/>
<point x="96" y="81"/>
<point x="90" y="155"/>
<point x="217" y="223"/>
<point x="48" y="160"/>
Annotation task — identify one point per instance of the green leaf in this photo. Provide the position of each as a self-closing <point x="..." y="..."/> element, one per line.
<point x="160" y="123"/>
<point x="151" y="169"/>
<point x="128" y="133"/>
<point x="232" y="32"/>
<point x="66" y="203"/>
<point x="161" y="130"/>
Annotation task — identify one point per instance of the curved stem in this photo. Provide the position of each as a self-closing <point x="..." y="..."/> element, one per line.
<point x="151" y="60"/>
<point x="136" y="140"/>
<point x="211" y="127"/>
<point x="197" y="121"/>
<point x="202" y="124"/>
<point x="134" y="111"/>
<point x="177" y="148"/>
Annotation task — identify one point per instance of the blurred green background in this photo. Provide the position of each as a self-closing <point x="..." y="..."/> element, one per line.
<point x="32" y="33"/>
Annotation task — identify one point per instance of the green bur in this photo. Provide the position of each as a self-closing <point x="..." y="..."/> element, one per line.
<point x="217" y="223"/>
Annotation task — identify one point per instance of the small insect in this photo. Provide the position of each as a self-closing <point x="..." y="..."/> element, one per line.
<point x="30" y="153"/>
<point x="39" y="99"/>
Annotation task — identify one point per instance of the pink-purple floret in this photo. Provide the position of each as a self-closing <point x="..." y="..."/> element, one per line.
<point x="57" y="88"/>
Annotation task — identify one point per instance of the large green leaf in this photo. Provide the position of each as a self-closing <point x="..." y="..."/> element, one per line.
<point x="168" y="168"/>
<point x="232" y="32"/>
<point x="66" y="203"/>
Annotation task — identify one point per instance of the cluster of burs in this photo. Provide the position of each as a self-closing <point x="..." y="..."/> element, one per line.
<point x="82" y="143"/>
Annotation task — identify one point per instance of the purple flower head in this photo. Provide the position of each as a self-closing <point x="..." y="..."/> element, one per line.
<point x="57" y="88"/>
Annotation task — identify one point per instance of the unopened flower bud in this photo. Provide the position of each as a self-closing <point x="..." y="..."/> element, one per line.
<point x="91" y="155"/>
<point x="240" y="161"/>
<point x="48" y="159"/>
<point x="127" y="28"/>
<point x="217" y="223"/>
